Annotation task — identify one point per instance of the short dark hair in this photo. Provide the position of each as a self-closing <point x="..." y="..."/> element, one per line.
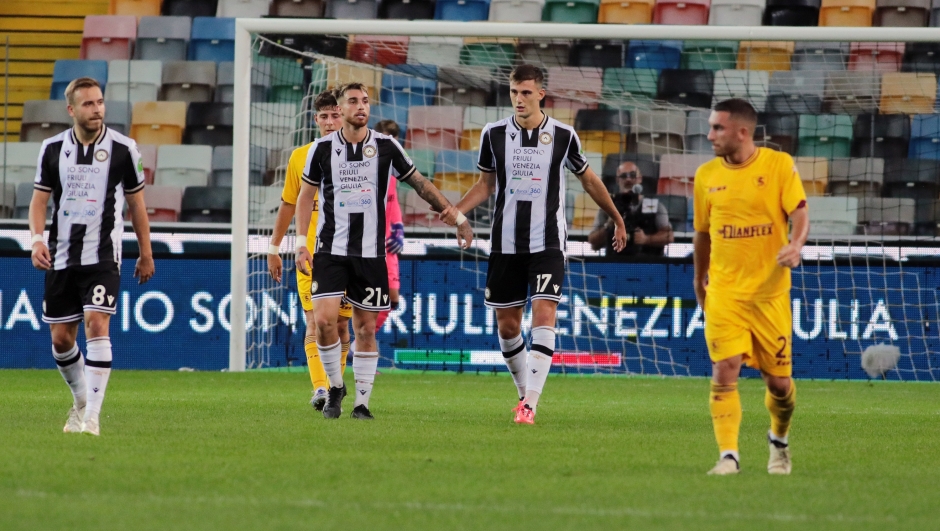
<point x="324" y="101"/>
<point x="388" y="127"/>
<point x="79" y="83"/>
<point x="739" y="109"/>
<point x="355" y="85"/>
<point x="526" y="72"/>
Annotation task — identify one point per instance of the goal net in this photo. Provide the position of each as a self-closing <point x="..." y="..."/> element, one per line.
<point x="858" y="117"/>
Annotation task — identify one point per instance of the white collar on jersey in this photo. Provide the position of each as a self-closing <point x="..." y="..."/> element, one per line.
<point x="98" y="139"/>
<point x="519" y="127"/>
<point x="342" y="139"/>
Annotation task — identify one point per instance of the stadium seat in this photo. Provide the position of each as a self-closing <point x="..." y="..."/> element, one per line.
<point x="833" y="216"/>
<point x="378" y="49"/>
<point x="736" y="12"/>
<point x="710" y="55"/>
<point x="778" y="131"/>
<point x="206" y="204"/>
<point x="264" y="204"/>
<point x="455" y="170"/>
<point x="856" y="177"/>
<point x="163" y="202"/>
<point x="435" y="127"/>
<point x="489" y="52"/>
<point x="657" y="132"/>
<point x="814" y="173"/>
<point x="911" y="178"/>
<point x="818" y="56"/>
<point x="465" y="10"/>
<point x="107" y="37"/>
<point x="678" y="208"/>
<point x="285" y="76"/>
<point x="406" y="9"/>
<point x="765" y="55"/>
<point x="137" y="8"/>
<point x="65" y="70"/>
<point x="43" y="119"/>
<point x="212" y="39"/>
<point x="854" y="13"/>
<point x="118" y="116"/>
<point x="902" y="13"/>
<point x="474" y="119"/>
<point x="603" y="131"/>
<point x="884" y="136"/>
<point x="242" y="8"/>
<point x="544" y="52"/>
<point x="134" y="81"/>
<point x="935" y="13"/>
<point x="625" y="12"/>
<point x="190" y="8"/>
<point x="574" y="87"/>
<point x="209" y="124"/>
<point x="585" y="211"/>
<point x="516" y="10"/>
<point x="288" y="44"/>
<point x="348" y="9"/>
<point x="691" y="88"/>
<point x="21" y="159"/>
<point x="886" y="216"/>
<point x="163" y="38"/>
<point x="7" y="200"/>
<point x="222" y="165"/>
<point x="397" y="114"/>
<point x="225" y="82"/>
<point x="417" y="212"/>
<point x="921" y="57"/>
<point x="597" y="53"/>
<point x="158" y="122"/>
<point x="657" y="55"/>
<point x="677" y="172"/>
<point x="189" y="81"/>
<point x="799" y="92"/>
<point x="647" y="164"/>
<point x="467" y="85"/>
<point x="272" y="125"/>
<point x="24" y="196"/>
<point x="148" y="155"/>
<point x="851" y="92"/>
<point x="571" y="11"/>
<point x="565" y="116"/>
<point x="423" y="160"/>
<point x="183" y="166"/>
<point x="685" y="12"/>
<point x="405" y="91"/>
<point x="908" y="93"/>
<point x="630" y="85"/>
<point x="439" y="51"/>
<point x="925" y="137"/>
<point x="340" y="73"/>
<point x="825" y="135"/>
<point x="751" y="85"/>
<point x="696" y="131"/>
<point x="314" y="9"/>
<point x="791" y="13"/>
<point x="878" y="56"/>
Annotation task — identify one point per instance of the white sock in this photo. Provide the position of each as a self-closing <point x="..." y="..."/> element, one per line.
<point x="72" y="367"/>
<point x="514" y="354"/>
<point x="364" y="366"/>
<point x="539" y="363"/>
<point x="330" y="356"/>
<point x="97" y="372"/>
<point x="730" y="453"/>
<point x="781" y="440"/>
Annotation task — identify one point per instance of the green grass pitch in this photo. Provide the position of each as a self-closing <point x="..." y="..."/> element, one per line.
<point x="245" y="451"/>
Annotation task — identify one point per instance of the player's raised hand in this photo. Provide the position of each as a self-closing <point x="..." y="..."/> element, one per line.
<point x="620" y="237"/>
<point x="40" y="256"/>
<point x="303" y="260"/>
<point x="464" y="235"/>
<point x="144" y="269"/>
<point x="275" y="267"/>
<point x="789" y="256"/>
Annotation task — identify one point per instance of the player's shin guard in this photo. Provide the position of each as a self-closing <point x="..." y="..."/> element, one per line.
<point x="344" y="351"/>
<point x="781" y="411"/>
<point x="330" y="356"/>
<point x="314" y="365"/>
<point x="364" y="366"/>
<point x="97" y="372"/>
<point x="72" y="368"/>
<point x="514" y="354"/>
<point x="539" y="363"/>
<point x="725" y="404"/>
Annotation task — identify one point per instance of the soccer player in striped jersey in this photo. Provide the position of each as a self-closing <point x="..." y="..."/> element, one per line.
<point x="353" y="166"/>
<point x="89" y="171"/>
<point x="523" y="160"/>
<point x="328" y="120"/>
<point x="744" y="200"/>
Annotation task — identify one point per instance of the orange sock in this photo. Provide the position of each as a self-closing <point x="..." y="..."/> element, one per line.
<point x="345" y="354"/>
<point x="314" y="365"/>
<point x="725" y="404"/>
<point x="781" y="410"/>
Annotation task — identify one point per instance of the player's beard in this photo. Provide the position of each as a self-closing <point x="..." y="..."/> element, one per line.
<point x="90" y="128"/>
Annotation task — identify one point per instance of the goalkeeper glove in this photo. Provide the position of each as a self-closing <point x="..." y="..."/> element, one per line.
<point x="396" y="241"/>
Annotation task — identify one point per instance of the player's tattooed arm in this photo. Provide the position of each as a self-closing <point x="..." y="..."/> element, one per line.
<point x="448" y="212"/>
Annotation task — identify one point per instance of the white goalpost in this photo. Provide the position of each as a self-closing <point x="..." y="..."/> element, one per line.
<point x="884" y="302"/>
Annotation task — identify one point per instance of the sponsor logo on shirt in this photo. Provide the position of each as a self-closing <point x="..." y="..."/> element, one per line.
<point x="730" y="232"/>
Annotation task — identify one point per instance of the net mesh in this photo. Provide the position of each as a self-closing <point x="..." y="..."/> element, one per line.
<point x="863" y="134"/>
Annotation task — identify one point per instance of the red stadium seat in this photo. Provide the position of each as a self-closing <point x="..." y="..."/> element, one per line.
<point x="436" y="127"/>
<point x="677" y="172"/>
<point x="379" y="49"/>
<point x="682" y="12"/>
<point x="573" y="87"/>
<point x="163" y="202"/>
<point x="876" y="56"/>
<point x="148" y="154"/>
<point x="108" y="37"/>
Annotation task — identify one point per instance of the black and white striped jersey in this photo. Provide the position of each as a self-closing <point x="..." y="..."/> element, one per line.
<point x="88" y="185"/>
<point x="353" y="181"/>
<point x="529" y="215"/>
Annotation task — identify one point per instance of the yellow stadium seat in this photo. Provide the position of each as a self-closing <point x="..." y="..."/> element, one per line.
<point x="585" y="210"/>
<point x="138" y="8"/>
<point x="625" y="12"/>
<point x="814" y="172"/>
<point x="856" y="13"/>
<point x="765" y="55"/>
<point x="158" y="122"/>
<point x="908" y="93"/>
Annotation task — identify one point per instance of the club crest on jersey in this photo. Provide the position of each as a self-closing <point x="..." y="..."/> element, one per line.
<point x="313" y="287"/>
<point x="760" y="181"/>
<point x="101" y="155"/>
<point x="545" y="138"/>
<point x="369" y="151"/>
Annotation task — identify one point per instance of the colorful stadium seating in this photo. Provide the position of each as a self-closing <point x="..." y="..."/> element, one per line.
<point x="108" y="37"/>
<point x="629" y="12"/>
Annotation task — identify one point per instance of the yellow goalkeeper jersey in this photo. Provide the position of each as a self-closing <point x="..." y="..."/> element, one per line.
<point x="745" y="209"/>
<point x="295" y="168"/>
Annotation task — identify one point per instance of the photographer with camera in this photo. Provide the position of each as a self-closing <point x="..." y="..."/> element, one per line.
<point x="646" y="219"/>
